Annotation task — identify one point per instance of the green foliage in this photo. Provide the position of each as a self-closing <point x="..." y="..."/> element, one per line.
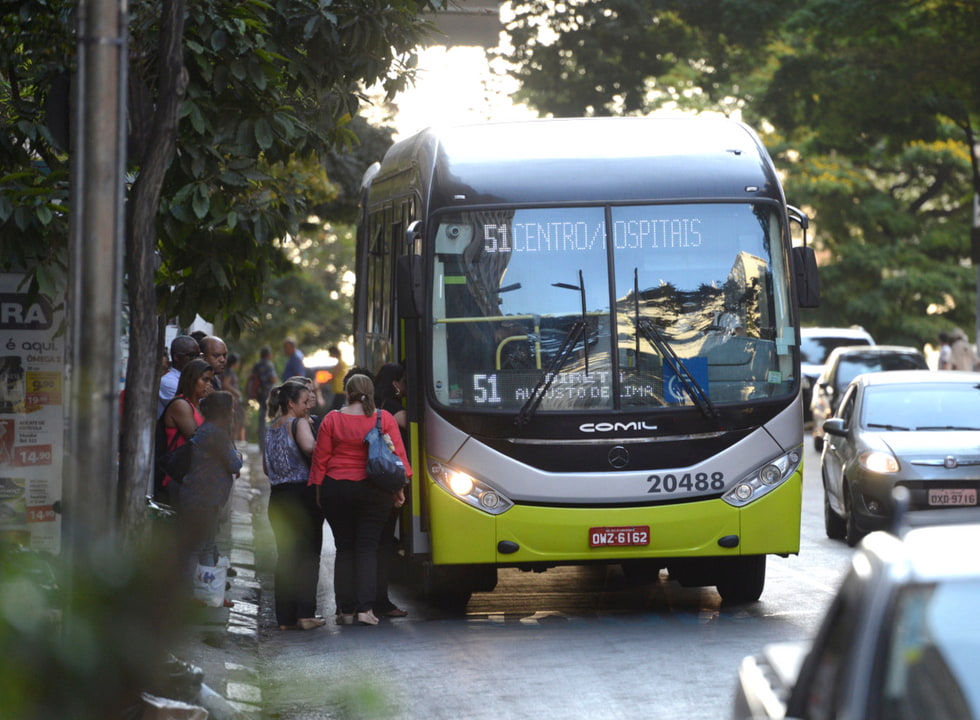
<point x="271" y="92"/>
<point x="313" y="302"/>
<point x="80" y="637"/>
<point x="864" y="71"/>
<point x="33" y="164"/>
<point x="870" y="108"/>
<point x="623" y="57"/>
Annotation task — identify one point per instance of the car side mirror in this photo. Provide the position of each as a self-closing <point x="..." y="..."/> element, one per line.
<point x="835" y="426"/>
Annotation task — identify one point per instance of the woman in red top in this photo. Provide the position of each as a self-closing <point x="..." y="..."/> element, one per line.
<point x="182" y="416"/>
<point x="355" y="508"/>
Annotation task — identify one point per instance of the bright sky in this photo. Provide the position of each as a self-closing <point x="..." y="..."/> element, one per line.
<point x="456" y="86"/>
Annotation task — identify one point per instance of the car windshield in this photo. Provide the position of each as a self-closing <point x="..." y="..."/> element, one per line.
<point x="922" y="405"/>
<point x="933" y="653"/>
<point x="853" y="364"/>
<point x="532" y="301"/>
<point x="814" y="350"/>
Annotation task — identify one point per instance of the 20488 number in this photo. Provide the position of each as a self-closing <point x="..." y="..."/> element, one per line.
<point x="688" y="482"/>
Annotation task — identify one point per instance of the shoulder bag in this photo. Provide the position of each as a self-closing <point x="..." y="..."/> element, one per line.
<point x="177" y="462"/>
<point x="384" y="468"/>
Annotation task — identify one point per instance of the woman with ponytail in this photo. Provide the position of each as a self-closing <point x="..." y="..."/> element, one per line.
<point x="355" y="508"/>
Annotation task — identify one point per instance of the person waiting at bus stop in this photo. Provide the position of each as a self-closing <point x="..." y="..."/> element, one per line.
<point x="355" y="508"/>
<point x="296" y="521"/>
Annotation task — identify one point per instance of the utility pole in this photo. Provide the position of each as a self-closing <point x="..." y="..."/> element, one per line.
<point x="975" y="243"/>
<point x="94" y="304"/>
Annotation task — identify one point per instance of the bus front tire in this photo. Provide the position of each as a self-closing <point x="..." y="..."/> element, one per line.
<point x="450" y="587"/>
<point x="742" y="579"/>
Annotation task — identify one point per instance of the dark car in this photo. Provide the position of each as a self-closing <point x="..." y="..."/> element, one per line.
<point x="846" y="363"/>
<point x="901" y="639"/>
<point x="903" y="428"/>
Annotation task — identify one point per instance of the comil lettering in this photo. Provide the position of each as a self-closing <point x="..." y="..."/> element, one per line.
<point x="609" y="427"/>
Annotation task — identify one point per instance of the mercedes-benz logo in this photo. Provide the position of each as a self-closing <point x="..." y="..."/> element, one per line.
<point x="619" y="457"/>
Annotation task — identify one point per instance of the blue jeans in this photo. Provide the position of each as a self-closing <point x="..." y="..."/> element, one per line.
<point x="356" y="512"/>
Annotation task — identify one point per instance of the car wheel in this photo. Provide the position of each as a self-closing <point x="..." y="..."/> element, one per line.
<point x="852" y="534"/>
<point x="832" y="522"/>
<point x="818" y="442"/>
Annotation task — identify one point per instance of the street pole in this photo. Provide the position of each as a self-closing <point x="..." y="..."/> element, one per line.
<point x="94" y="310"/>
<point x="975" y="242"/>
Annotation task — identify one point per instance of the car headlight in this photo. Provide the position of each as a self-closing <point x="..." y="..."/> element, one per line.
<point x="765" y="478"/>
<point x="877" y="461"/>
<point x="470" y="490"/>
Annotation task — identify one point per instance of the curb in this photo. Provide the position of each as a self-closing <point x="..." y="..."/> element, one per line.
<point x="241" y="697"/>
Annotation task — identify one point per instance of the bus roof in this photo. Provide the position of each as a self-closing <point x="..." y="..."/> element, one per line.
<point x="582" y="160"/>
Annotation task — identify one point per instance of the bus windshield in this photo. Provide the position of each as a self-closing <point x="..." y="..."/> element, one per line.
<point x="620" y="307"/>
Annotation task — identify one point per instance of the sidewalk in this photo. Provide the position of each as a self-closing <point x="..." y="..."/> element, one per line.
<point x="224" y="642"/>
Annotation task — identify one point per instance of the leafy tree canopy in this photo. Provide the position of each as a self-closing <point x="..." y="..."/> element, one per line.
<point x="868" y="106"/>
<point x="272" y="89"/>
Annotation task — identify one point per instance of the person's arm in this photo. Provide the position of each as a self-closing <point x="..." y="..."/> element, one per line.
<point x="180" y="415"/>
<point x="321" y="451"/>
<point x="304" y="437"/>
<point x="233" y="458"/>
<point x="231" y="386"/>
<point x="390" y="426"/>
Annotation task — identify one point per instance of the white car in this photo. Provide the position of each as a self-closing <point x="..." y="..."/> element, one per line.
<point x="816" y="343"/>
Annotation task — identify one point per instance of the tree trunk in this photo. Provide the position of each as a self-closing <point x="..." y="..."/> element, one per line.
<point x="139" y="413"/>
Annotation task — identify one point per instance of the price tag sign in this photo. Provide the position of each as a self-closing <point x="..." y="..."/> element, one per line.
<point x="32" y="455"/>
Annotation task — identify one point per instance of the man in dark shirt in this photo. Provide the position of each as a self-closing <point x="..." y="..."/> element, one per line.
<point x="259" y="385"/>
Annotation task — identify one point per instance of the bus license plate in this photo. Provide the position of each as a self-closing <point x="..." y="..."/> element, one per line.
<point x="951" y="497"/>
<point x="619" y="536"/>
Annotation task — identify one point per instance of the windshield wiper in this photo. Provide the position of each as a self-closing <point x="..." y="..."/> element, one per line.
<point x="648" y="329"/>
<point x="581" y="290"/>
<point x="579" y="330"/>
<point x="945" y="427"/>
<point x="885" y="426"/>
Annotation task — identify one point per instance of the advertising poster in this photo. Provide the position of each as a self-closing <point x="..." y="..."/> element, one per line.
<point x="32" y="416"/>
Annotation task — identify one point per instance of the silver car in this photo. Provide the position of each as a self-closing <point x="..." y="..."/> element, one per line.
<point x="910" y="428"/>
<point x="900" y="641"/>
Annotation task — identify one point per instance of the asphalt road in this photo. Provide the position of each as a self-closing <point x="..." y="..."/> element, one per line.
<point x="568" y="643"/>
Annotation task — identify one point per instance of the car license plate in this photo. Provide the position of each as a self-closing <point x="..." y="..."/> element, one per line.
<point x="619" y="536"/>
<point x="949" y="497"/>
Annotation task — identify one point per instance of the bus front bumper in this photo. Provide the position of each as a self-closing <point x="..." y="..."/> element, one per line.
<point x="524" y="534"/>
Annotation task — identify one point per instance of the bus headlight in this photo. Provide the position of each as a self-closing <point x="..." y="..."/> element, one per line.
<point x="470" y="490"/>
<point x="765" y="478"/>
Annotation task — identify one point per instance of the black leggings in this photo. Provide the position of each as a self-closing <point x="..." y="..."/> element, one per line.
<point x="356" y="511"/>
<point x="298" y="526"/>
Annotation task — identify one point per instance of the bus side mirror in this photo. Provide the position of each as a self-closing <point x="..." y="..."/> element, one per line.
<point x="807" y="278"/>
<point x="408" y="285"/>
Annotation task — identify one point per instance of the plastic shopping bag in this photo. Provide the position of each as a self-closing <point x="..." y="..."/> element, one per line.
<point x="209" y="584"/>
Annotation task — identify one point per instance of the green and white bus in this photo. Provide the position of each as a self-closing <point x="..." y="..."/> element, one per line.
<point x="599" y="321"/>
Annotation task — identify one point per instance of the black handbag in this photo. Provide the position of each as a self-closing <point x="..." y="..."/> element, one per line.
<point x="384" y="468"/>
<point x="177" y="462"/>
